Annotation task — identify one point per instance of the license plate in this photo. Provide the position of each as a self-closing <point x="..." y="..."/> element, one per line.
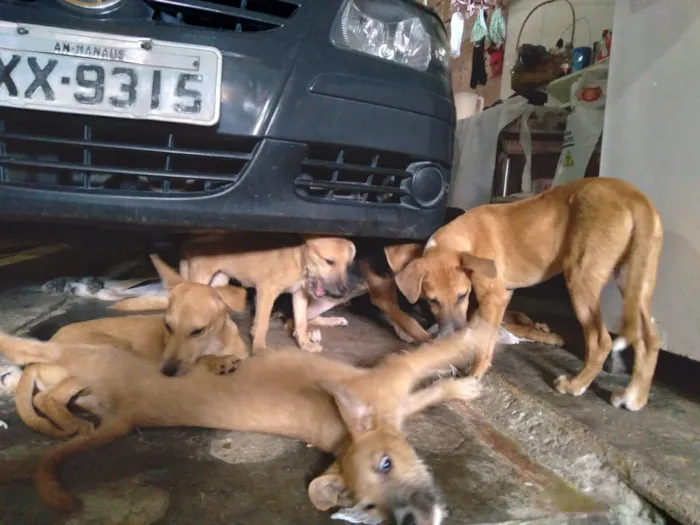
<point x="61" y="70"/>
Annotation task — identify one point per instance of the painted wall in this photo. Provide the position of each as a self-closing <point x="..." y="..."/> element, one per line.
<point x="651" y="138"/>
<point x="551" y="22"/>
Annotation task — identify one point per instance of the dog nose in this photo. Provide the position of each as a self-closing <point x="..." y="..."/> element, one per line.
<point x="409" y="519"/>
<point x="170" y="368"/>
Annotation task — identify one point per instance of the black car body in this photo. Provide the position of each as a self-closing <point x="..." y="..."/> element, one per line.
<point x="305" y="133"/>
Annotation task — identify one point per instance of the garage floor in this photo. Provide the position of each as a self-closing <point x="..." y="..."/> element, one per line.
<point x="519" y="455"/>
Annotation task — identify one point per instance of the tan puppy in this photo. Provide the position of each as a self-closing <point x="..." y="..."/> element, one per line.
<point x="588" y="230"/>
<point x="274" y="264"/>
<point x="195" y="327"/>
<point x="355" y="413"/>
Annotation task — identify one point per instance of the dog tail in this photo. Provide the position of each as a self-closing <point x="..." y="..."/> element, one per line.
<point x="25" y="350"/>
<point x="46" y="480"/>
<point x="642" y="262"/>
<point x="141" y="304"/>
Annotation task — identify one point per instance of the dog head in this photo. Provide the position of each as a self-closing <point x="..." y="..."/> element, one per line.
<point x="326" y="261"/>
<point x="377" y="472"/>
<point x="197" y="321"/>
<point x="443" y="279"/>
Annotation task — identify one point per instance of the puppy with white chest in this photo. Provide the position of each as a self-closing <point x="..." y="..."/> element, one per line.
<point x="309" y="266"/>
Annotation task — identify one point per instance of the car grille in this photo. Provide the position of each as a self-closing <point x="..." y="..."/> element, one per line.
<point x="94" y="155"/>
<point x="226" y="15"/>
<point x="353" y="175"/>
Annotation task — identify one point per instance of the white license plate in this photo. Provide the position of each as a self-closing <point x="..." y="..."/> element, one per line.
<point x="54" y="69"/>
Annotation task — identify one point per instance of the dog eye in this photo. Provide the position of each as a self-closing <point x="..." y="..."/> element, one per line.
<point x="385" y="465"/>
<point x="329" y="262"/>
<point x="461" y="298"/>
<point x="169" y="328"/>
<point x="433" y="300"/>
<point x="370" y="506"/>
<point x="198" y="331"/>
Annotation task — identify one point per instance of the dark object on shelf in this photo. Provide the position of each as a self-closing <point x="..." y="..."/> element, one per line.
<point x="535" y="66"/>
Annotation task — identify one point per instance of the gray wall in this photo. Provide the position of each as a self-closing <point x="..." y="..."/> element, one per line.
<point x="652" y="139"/>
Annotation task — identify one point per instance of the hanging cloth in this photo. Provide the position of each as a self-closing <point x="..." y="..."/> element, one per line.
<point x="497" y="27"/>
<point x="479" y="29"/>
<point x="478" y="65"/>
<point x="456" y="32"/>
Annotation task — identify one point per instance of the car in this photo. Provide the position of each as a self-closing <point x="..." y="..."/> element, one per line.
<point x="309" y="116"/>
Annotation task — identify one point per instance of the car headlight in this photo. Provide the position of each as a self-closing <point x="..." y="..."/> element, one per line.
<point x="393" y="30"/>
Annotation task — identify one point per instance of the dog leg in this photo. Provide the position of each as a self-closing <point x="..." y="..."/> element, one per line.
<point x="493" y="300"/>
<point x="585" y="278"/>
<point x="53" y="404"/>
<point x="300" y="304"/>
<point x="328" y="321"/>
<point x="466" y="388"/>
<point x="265" y="299"/>
<point x="46" y="480"/>
<point x="646" y="351"/>
<point x="534" y="334"/>
<point x="383" y="294"/>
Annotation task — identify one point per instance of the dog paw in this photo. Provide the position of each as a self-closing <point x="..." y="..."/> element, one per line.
<point x="336" y="321"/>
<point x="312" y="346"/>
<point x="465" y="389"/>
<point x="224" y="365"/>
<point x="626" y="398"/>
<point x="543" y="327"/>
<point x="79" y="427"/>
<point x="565" y="385"/>
<point x="315" y="336"/>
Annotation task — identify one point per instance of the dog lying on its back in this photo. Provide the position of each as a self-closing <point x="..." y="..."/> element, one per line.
<point x="196" y="327"/>
<point x="355" y="413"/>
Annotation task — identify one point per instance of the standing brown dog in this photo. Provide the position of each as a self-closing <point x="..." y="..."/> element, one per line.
<point x="274" y="264"/>
<point x="588" y="230"/>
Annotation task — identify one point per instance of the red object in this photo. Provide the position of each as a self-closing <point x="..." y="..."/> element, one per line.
<point x="496" y="60"/>
<point x="590" y="94"/>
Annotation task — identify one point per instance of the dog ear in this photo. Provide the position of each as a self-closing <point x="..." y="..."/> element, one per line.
<point x="328" y="490"/>
<point x="233" y="296"/>
<point x="410" y="280"/>
<point x="357" y="415"/>
<point x="399" y="255"/>
<point x="353" y="251"/>
<point x="168" y="275"/>
<point x="471" y="263"/>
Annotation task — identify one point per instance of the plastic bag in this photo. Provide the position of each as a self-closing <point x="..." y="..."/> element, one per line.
<point x="584" y="126"/>
<point x="456" y="33"/>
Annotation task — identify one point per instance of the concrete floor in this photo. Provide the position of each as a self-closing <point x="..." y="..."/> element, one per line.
<point x="521" y="454"/>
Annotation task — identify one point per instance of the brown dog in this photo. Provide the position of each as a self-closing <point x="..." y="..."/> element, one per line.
<point x="274" y="264"/>
<point x="588" y="230"/>
<point x="195" y="327"/>
<point x="378" y="267"/>
<point x="355" y="413"/>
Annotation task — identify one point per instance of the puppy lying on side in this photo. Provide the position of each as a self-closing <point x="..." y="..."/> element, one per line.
<point x="195" y="327"/>
<point x="274" y="264"/>
<point x="589" y="230"/>
<point x="354" y="413"/>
